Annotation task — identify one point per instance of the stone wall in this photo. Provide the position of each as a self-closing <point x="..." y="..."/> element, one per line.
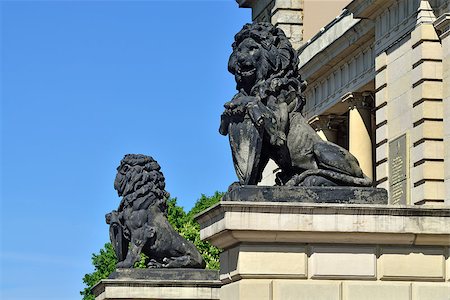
<point x="442" y="25"/>
<point x="283" y="251"/>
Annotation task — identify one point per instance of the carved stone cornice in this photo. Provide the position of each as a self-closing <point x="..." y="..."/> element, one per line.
<point x="442" y="25"/>
<point x="367" y="9"/>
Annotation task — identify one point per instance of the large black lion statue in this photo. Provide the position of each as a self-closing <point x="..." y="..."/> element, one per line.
<point x="264" y="119"/>
<point x="140" y="225"/>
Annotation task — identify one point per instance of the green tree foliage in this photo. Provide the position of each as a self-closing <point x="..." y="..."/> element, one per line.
<point x="104" y="264"/>
<point x="191" y="231"/>
<point x="184" y="223"/>
<point x="204" y="202"/>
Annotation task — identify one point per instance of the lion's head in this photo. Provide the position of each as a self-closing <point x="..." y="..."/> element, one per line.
<point x="139" y="176"/>
<point x="264" y="63"/>
<point x="261" y="51"/>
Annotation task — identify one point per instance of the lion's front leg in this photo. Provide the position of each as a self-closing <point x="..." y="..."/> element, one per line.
<point x="133" y="254"/>
<point x="139" y="237"/>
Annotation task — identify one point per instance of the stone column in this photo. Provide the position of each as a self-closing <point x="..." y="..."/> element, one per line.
<point x="360" y="139"/>
<point x="442" y="25"/>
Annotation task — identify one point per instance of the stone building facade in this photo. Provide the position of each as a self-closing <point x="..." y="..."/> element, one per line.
<point x="378" y="84"/>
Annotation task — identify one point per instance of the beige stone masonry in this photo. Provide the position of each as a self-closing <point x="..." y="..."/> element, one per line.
<point x="230" y="223"/>
<point x="109" y="289"/>
<point x="431" y="129"/>
<point x="376" y="291"/>
<point x="251" y="289"/>
<point x="427" y="291"/>
<point x="428" y="169"/>
<point x="430" y="110"/>
<point x="428" y="191"/>
<point x="447" y="268"/>
<point x="263" y="261"/>
<point x="442" y="26"/>
<point x="428" y="150"/>
<point x="288" y="16"/>
<point x="301" y="290"/>
<point x="382" y="170"/>
<point x="341" y="262"/>
<point x="381" y="118"/>
<point x="321" y="251"/>
<point x="403" y="263"/>
<point x="284" y="14"/>
<point x="281" y="16"/>
<point x="427" y="92"/>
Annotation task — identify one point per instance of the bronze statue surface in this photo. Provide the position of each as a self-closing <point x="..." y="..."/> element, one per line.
<point x="264" y="119"/>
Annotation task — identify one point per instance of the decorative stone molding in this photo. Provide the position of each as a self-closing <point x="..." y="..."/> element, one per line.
<point x="232" y="222"/>
<point x="344" y="61"/>
<point x="366" y="9"/>
<point x="442" y="25"/>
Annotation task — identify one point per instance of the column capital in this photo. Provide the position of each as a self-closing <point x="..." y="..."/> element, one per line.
<point x="326" y="122"/>
<point x="359" y="100"/>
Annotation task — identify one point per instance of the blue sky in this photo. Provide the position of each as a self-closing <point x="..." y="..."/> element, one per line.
<point x="82" y="84"/>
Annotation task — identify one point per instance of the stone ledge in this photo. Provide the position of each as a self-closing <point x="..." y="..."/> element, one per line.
<point x="159" y="284"/>
<point x="164" y="274"/>
<point x="232" y="222"/>
<point x="341" y="194"/>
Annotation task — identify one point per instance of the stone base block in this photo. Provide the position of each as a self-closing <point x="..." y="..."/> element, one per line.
<point x="332" y="194"/>
<point x="279" y="289"/>
<point x="295" y="250"/>
<point x="149" y="284"/>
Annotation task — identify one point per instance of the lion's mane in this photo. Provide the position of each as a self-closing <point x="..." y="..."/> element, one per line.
<point x="139" y="180"/>
<point x="278" y="69"/>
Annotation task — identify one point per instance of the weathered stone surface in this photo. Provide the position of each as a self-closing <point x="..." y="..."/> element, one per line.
<point x="233" y="222"/>
<point x="306" y="290"/>
<point x="343" y="262"/>
<point x="165" y="274"/>
<point x="376" y="291"/>
<point x="150" y="284"/>
<point x="350" y="195"/>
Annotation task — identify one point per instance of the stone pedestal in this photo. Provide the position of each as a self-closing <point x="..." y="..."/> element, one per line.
<point x="294" y="250"/>
<point x="149" y="284"/>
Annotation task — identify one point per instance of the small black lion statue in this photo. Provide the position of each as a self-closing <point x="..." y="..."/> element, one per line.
<point x="140" y="225"/>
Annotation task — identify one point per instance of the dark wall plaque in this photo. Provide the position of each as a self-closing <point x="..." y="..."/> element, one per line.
<point x="398" y="171"/>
